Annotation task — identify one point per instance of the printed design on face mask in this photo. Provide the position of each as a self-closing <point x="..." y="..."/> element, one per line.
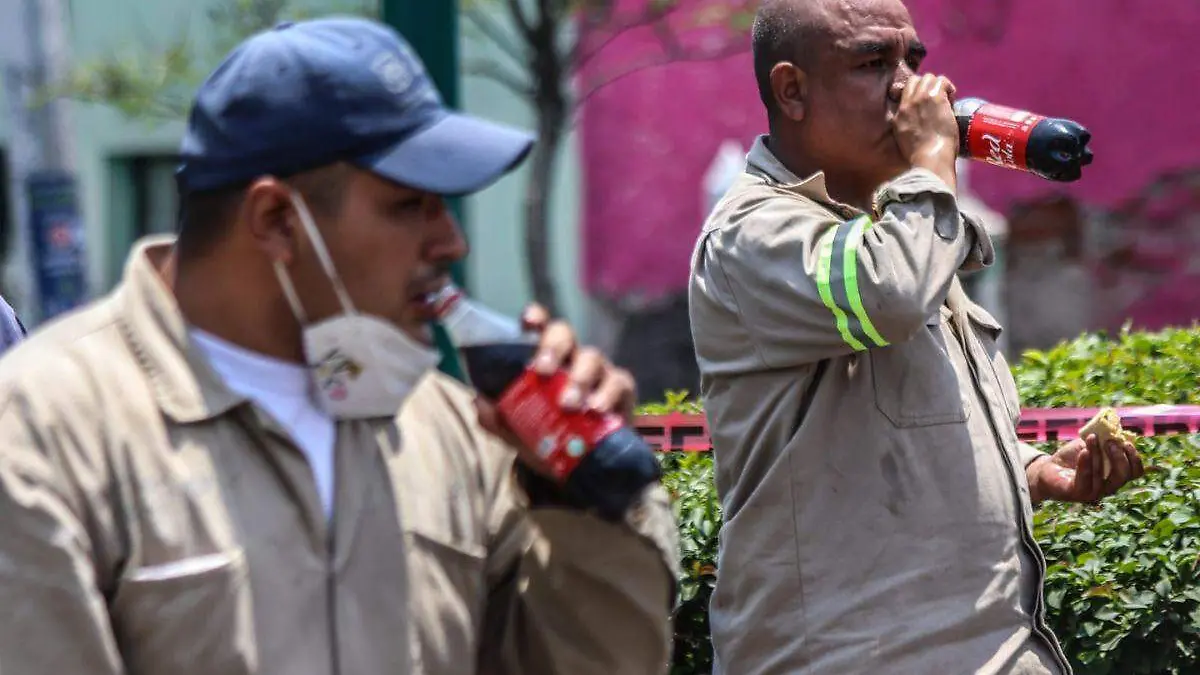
<point x="334" y="372"/>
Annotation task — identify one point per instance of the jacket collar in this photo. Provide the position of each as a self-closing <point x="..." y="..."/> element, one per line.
<point x="185" y="385"/>
<point x="763" y="163"/>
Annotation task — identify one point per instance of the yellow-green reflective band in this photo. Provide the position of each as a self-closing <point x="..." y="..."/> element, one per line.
<point x="825" y="289"/>
<point x="850" y="276"/>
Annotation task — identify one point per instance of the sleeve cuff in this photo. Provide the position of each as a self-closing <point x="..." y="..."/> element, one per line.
<point x="650" y="519"/>
<point x="982" y="253"/>
<point x="1027" y="454"/>
<point x="904" y="187"/>
<point x="919" y="181"/>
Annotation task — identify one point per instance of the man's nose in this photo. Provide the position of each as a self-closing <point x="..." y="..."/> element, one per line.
<point x="446" y="241"/>
<point x="900" y="81"/>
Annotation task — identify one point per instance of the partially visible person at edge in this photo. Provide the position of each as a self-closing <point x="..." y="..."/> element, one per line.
<point x="11" y="330"/>
<point x="877" y="501"/>
<point x="242" y="461"/>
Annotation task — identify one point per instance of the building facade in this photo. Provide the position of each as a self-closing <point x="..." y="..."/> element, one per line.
<point x="123" y="167"/>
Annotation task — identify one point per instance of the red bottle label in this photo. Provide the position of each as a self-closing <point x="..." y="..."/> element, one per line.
<point x="1000" y="135"/>
<point x="561" y="438"/>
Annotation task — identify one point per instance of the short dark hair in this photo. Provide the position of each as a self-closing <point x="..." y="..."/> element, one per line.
<point x="205" y="216"/>
<point x="781" y="32"/>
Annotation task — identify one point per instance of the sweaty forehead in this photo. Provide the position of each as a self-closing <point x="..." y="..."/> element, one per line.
<point x="850" y="21"/>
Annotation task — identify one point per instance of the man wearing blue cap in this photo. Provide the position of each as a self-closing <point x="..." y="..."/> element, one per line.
<point x="206" y="471"/>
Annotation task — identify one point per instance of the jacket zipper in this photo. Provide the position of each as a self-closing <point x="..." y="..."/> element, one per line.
<point x="1039" y="607"/>
<point x="331" y="588"/>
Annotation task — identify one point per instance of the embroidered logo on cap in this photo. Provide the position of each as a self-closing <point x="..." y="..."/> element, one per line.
<point x="396" y="76"/>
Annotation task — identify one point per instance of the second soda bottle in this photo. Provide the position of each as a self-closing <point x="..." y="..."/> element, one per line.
<point x="596" y="458"/>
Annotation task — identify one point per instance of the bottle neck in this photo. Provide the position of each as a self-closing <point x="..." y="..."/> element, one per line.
<point x="445" y="301"/>
<point x="470" y="324"/>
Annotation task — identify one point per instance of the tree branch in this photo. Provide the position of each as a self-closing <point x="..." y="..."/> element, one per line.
<point x="546" y="10"/>
<point x="666" y="37"/>
<point x="495" y="33"/>
<point x="492" y="71"/>
<point x="725" y="51"/>
<point x="519" y="18"/>
<point x="650" y="15"/>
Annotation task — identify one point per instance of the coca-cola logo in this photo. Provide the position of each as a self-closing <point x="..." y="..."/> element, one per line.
<point x="1001" y="151"/>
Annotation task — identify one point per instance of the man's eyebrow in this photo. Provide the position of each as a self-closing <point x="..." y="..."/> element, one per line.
<point x="870" y="48"/>
<point x="916" y="49"/>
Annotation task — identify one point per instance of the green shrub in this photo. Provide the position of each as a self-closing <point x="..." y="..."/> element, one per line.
<point x="1123" y="584"/>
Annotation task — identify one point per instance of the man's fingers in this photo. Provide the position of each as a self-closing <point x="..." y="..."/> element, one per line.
<point x="937" y="87"/>
<point x="1137" y="469"/>
<point x="951" y="90"/>
<point x="557" y="344"/>
<point x="1121" y="472"/>
<point x="617" y="393"/>
<point x="535" y="318"/>
<point x="1090" y="465"/>
<point x="910" y="88"/>
<point x="1096" y="454"/>
<point x="924" y="85"/>
<point x="1085" y="476"/>
<point x="587" y="370"/>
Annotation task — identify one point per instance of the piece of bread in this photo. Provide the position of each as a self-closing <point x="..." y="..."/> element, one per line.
<point x="1107" y="426"/>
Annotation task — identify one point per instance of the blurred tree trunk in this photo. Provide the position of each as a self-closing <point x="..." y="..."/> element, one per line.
<point x="548" y="47"/>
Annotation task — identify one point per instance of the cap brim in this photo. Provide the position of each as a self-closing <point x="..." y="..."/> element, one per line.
<point x="456" y="155"/>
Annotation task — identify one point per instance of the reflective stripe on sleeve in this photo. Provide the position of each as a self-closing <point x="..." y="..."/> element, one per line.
<point x="837" y="284"/>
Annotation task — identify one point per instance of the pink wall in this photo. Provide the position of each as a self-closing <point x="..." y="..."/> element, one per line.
<point x="1124" y="69"/>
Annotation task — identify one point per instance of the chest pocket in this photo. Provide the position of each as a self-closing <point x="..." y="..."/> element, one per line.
<point x="187" y="617"/>
<point x="447" y="552"/>
<point x="916" y="383"/>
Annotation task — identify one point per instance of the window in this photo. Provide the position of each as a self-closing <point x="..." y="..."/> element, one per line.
<point x="156" y="200"/>
<point x="141" y="199"/>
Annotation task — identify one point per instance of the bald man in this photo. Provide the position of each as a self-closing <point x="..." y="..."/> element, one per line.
<point x="877" y="502"/>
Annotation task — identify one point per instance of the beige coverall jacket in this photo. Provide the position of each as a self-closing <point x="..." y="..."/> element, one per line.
<point x="153" y="522"/>
<point x="877" y="514"/>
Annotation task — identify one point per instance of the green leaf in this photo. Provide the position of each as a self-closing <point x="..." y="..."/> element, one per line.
<point x="1183" y="515"/>
<point x="1165" y="528"/>
<point x="1163" y="588"/>
<point x="1054" y="598"/>
<point x="1106" y="613"/>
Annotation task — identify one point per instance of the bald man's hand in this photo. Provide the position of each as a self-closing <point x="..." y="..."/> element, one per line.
<point x="925" y="128"/>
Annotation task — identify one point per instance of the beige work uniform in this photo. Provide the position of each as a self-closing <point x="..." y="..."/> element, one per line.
<point x="877" y="514"/>
<point x="153" y="522"/>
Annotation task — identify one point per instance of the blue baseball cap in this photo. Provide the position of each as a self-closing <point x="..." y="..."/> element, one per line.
<point x="311" y="93"/>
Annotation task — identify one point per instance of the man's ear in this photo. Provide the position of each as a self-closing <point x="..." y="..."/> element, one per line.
<point x="790" y="85"/>
<point x="268" y="213"/>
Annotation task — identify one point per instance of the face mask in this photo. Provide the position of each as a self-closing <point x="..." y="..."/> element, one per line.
<point x="361" y="366"/>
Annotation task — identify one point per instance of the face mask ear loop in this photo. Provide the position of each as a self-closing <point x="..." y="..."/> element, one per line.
<point x="289" y="292"/>
<point x="310" y="227"/>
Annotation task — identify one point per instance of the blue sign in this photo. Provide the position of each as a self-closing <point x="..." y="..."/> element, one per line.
<point x="58" y="246"/>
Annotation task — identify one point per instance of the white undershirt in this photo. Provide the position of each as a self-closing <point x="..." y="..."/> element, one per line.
<point x="283" y="390"/>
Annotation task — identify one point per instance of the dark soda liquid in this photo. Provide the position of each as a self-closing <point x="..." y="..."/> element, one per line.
<point x="617" y="468"/>
<point x="493" y="367"/>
